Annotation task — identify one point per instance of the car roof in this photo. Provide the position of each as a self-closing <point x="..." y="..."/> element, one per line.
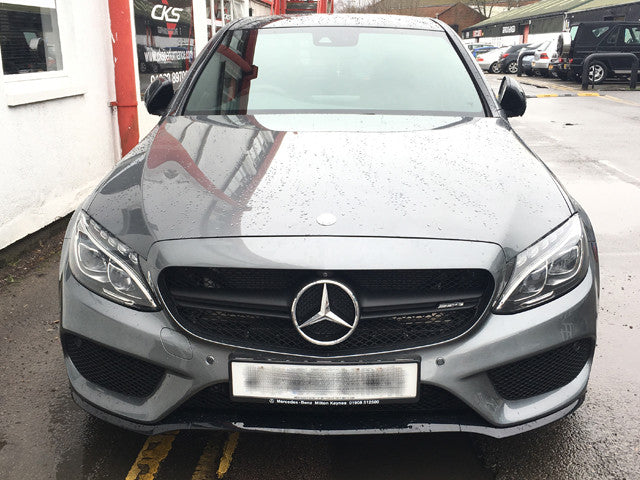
<point x="607" y="23"/>
<point x="337" y="20"/>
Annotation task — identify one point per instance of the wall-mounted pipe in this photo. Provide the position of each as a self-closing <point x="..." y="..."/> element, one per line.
<point x="125" y="74"/>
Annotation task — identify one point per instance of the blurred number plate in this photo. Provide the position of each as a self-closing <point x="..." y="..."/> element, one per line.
<point x="298" y="384"/>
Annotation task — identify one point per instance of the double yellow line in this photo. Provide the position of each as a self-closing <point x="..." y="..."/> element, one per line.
<point x="157" y="447"/>
<point x="581" y="94"/>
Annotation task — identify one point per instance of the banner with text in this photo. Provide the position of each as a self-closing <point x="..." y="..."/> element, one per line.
<point x="164" y="40"/>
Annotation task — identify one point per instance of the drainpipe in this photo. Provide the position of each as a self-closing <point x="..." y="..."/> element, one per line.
<point x="125" y="74"/>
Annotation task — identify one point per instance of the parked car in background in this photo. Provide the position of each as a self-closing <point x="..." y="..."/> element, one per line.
<point x="526" y="64"/>
<point x="488" y="61"/>
<point x="556" y="68"/>
<point x="473" y="46"/>
<point x="543" y="56"/>
<point x="509" y="59"/>
<point x="478" y="51"/>
<point x="586" y="38"/>
<point x="527" y="60"/>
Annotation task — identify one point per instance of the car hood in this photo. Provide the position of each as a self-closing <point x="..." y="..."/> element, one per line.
<point x="331" y="175"/>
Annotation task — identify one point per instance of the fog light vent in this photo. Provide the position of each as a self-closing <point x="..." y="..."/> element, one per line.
<point x="110" y="369"/>
<point x="541" y="373"/>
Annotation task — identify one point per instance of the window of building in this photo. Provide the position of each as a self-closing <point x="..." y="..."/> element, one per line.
<point x="29" y="37"/>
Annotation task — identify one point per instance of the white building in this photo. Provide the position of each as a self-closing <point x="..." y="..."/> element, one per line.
<point x="59" y="132"/>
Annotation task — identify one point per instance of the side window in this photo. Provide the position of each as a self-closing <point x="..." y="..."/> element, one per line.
<point x="29" y="38"/>
<point x="599" y="31"/>
<point x="589" y="36"/>
<point x="631" y="36"/>
<point x="572" y="31"/>
<point x="612" y="38"/>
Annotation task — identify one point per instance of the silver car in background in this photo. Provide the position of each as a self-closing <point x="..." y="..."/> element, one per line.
<point x="488" y="61"/>
<point x="543" y="56"/>
<point x="324" y="236"/>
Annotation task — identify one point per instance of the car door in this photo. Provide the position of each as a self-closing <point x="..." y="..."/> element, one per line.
<point x="628" y="42"/>
<point x="609" y="44"/>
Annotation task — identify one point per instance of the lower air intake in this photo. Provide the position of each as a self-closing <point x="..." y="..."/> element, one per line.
<point x="110" y="369"/>
<point x="542" y="373"/>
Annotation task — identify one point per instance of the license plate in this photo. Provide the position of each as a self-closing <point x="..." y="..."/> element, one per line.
<point x="324" y="384"/>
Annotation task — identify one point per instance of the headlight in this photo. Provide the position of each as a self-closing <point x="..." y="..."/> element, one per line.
<point x="547" y="269"/>
<point x="106" y="266"/>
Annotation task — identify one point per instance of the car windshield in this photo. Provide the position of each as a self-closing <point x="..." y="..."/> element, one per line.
<point x="335" y="70"/>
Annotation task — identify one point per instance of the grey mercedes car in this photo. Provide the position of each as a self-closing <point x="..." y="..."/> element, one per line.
<point x="324" y="234"/>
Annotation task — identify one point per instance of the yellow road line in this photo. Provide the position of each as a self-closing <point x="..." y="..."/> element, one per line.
<point x="227" y="454"/>
<point x="547" y="95"/>
<point x="619" y="100"/>
<point x="153" y="452"/>
<point x="207" y="463"/>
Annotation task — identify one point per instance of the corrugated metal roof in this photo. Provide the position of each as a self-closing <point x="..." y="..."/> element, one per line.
<point x="595" y="4"/>
<point x="406" y="4"/>
<point x="538" y="9"/>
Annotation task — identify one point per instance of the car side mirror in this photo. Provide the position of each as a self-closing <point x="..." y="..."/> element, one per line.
<point x="158" y="96"/>
<point x="511" y="98"/>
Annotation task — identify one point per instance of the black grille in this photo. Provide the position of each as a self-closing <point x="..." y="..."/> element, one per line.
<point x="216" y="399"/>
<point x="112" y="370"/>
<point x="292" y="280"/>
<point x="399" y="308"/>
<point x="542" y="373"/>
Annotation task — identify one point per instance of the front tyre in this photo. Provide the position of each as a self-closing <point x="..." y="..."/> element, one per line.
<point x="494" y="68"/>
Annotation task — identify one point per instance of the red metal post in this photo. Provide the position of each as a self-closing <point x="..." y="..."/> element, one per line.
<point x="125" y="74"/>
<point x="322" y="6"/>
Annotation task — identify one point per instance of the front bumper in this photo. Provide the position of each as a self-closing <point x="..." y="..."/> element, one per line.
<point x="191" y="364"/>
<point x="303" y="425"/>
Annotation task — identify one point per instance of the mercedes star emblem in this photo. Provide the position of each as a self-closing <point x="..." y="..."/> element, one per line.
<point x="325" y="312"/>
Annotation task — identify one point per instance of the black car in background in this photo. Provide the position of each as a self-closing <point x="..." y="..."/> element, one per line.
<point x="586" y="38"/>
<point x="527" y="68"/>
<point x="509" y="60"/>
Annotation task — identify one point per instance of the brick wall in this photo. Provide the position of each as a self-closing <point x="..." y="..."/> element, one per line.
<point x="460" y="17"/>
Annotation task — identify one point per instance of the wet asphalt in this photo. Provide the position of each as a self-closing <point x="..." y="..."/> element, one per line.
<point x="591" y="143"/>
